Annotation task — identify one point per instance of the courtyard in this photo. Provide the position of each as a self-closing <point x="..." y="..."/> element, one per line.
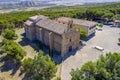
<point x="107" y="39"/>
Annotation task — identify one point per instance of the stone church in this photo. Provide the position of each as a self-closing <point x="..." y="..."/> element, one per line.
<point x="56" y="36"/>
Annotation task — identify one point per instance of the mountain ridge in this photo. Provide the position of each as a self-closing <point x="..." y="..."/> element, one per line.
<point x="63" y="0"/>
<point x="18" y="4"/>
<point x="25" y="0"/>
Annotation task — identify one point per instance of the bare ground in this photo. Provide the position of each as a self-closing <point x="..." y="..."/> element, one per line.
<point x="10" y="70"/>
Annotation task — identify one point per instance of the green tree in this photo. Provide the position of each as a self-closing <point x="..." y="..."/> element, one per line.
<point x="26" y="65"/>
<point x="106" y="68"/>
<point x="89" y="12"/>
<point x="117" y="17"/>
<point x="108" y="15"/>
<point x="119" y="39"/>
<point x="41" y="68"/>
<point x="13" y="50"/>
<point x="82" y="32"/>
<point x="58" y="78"/>
<point x="9" y="34"/>
<point x="100" y="25"/>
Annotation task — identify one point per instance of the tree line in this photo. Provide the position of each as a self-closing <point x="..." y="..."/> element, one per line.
<point x="104" y="12"/>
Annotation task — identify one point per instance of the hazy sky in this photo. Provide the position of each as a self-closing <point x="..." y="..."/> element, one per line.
<point x="94" y="0"/>
<point x="73" y="0"/>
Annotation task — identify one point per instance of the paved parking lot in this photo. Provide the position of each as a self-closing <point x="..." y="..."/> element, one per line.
<point x="107" y="39"/>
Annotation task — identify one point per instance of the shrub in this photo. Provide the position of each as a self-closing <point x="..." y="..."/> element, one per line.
<point x="26" y="65"/>
<point x="119" y="39"/>
<point x="106" y="68"/>
<point x="40" y="68"/>
<point x="100" y="25"/>
<point x="13" y="50"/>
<point x="58" y="78"/>
<point x="82" y="32"/>
<point x="9" y="34"/>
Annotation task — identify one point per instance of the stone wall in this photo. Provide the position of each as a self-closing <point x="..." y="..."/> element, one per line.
<point x="54" y="40"/>
<point x="64" y="43"/>
<point x="57" y="42"/>
<point x="70" y="40"/>
<point x="30" y="32"/>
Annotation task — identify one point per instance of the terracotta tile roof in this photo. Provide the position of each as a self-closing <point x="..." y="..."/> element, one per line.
<point x="77" y="21"/>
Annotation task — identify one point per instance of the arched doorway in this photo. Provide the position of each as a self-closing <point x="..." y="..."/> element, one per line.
<point x="70" y="48"/>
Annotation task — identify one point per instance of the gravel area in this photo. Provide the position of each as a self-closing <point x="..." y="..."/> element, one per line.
<point x="107" y="39"/>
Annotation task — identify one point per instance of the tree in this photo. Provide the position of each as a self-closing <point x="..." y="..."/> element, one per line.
<point x="117" y="17"/>
<point x="82" y="32"/>
<point x="58" y="78"/>
<point x="9" y="34"/>
<point x="26" y="65"/>
<point x="100" y="25"/>
<point x="108" y="15"/>
<point x="94" y="12"/>
<point x="41" y="68"/>
<point x="119" y="39"/>
<point x="106" y="68"/>
<point x="13" y="50"/>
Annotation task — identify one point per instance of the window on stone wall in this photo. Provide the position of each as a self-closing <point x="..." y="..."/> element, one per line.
<point x="27" y="28"/>
<point x="70" y="40"/>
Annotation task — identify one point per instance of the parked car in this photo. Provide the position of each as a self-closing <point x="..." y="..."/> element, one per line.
<point x="99" y="48"/>
<point x="99" y="29"/>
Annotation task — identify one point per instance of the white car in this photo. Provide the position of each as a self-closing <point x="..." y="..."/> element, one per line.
<point x="99" y="48"/>
<point x="99" y="29"/>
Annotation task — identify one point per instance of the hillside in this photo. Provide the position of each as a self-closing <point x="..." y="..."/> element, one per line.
<point x="23" y="4"/>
